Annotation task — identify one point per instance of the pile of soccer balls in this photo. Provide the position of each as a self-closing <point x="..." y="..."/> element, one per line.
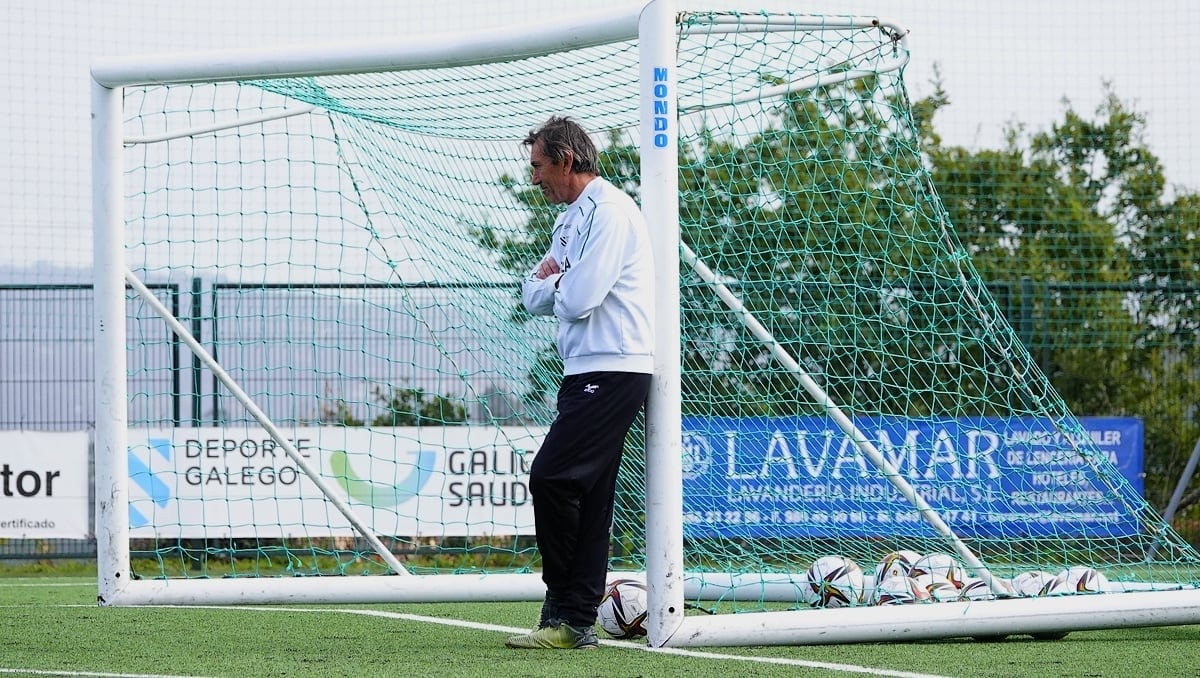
<point x="900" y="577"/>
<point x="903" y="577"/>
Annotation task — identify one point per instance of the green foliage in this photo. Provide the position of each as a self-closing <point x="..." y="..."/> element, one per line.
<point x="812" y="221"/>
<point x="402" y="407"/>
<point x="341" y="415"/>
<point x="414" y="407"/>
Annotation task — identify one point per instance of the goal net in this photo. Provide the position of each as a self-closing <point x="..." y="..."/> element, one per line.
<point x="346" y="383"/>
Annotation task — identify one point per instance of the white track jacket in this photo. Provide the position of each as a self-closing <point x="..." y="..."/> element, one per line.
<point x="604" y="295"/>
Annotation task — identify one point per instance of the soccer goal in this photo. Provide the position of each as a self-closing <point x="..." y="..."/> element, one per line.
<point x="315" y="381"/>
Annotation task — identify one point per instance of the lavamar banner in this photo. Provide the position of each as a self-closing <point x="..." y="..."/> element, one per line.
<point x="984" y="476"/>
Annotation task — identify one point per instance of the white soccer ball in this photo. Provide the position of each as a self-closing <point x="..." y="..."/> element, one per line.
<point x="1083" y="579"/>
<point x="898" y="590"/>
<point x="834" y="581"/>
<point x="1054" y="587"/>
<point x="1030" y="583"/>
<point x="895" y="564"/>
<point x="976" y="589"/>
<point x="622" y="611"/>
<point x="939" y="588"/>
<point x="1035" y="583"/>
<point x="940" y="564"/>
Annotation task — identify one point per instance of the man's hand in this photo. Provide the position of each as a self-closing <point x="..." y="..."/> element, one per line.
<point x="547" y="268"/>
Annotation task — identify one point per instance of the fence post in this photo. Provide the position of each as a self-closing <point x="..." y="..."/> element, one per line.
<point x="196" y="367"/>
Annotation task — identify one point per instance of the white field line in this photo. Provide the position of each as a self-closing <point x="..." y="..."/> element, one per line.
<point x="34" y="582"/>
<point x="88" y="674"/>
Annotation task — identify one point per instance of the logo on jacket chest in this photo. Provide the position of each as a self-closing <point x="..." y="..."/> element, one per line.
<point x="565" y="263"/>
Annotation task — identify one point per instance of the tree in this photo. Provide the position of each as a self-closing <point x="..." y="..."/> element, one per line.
<point x="414" y="407"/>
<point x="1082" y="212"/>
<point x="402" y="407"/>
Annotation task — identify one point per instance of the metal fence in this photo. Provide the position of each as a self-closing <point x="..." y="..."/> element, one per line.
<point x="297" y="374"/>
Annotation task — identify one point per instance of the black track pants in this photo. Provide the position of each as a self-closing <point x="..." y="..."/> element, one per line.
<point x="573" y="480"/>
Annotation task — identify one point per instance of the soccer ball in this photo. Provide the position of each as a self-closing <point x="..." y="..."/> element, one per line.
<point x="1082" y="579"/>
<point x="898" y="590"/>
<point x="895" y="564"/>
<point x="940" y="564"/>
<point x="834" y="581"/>
<point x="976" y="589"/>
<point x="1054" y="587"/>
<point x="939" y="588"/>
<point x="622" y="611"/>
<point x="1037" y="583"/>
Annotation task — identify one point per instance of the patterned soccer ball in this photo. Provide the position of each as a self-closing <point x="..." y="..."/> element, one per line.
<point x="1054" y="587"/>
<point x="939" y="588"/>
<point x="941" y="564"/>
<point x="1082" y="579"/>
<point x="898" y="590"/>
<point x="1034" y="583"/>
<point x="622" y="611"/>
<point x="834" y="581"/>
<point x="976" y="589"/>
<point x="895" y="564"/>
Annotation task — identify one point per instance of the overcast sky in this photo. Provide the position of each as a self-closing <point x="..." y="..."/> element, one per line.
<point x="1001" y="62"/>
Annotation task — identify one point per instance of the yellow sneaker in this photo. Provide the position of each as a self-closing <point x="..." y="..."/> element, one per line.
<point x="558" y="635"/>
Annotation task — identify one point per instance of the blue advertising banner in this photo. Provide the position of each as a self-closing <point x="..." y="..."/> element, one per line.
<point x="986" y="477"/>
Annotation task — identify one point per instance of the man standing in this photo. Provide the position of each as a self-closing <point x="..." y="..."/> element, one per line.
<point x="598" y="280"/>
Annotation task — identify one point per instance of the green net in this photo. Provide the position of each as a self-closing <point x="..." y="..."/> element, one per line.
<point x="353" y="244"/>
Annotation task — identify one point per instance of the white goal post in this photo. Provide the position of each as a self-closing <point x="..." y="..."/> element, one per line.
<point x="1164" y="595"/>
